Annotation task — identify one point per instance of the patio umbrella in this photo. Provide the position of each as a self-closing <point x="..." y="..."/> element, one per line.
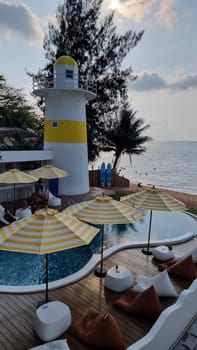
<point x="48" y="171"/>
<point x="44" y="232"/>
<point x="15" y="176"/>
<point x="152" y="199"/>
<point x="104" y="210"/>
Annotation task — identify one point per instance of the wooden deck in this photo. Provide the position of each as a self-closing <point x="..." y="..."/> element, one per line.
<point x="17" y="311"/>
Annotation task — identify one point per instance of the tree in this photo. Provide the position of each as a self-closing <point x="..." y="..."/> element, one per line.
<point x="125" y="134"/>
<point x="99" y="51"/>
<point x="15" y="111"/>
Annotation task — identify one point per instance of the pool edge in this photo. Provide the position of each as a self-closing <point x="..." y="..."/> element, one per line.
<point x="85" y="270"/>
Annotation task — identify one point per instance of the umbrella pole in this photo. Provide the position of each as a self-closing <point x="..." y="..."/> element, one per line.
<point x="14" y="199"/>
<point x="46" y="300"/>
<point x="47" y="283"/>
<point x="99" y="271"/>
<point x="147" y="250"/>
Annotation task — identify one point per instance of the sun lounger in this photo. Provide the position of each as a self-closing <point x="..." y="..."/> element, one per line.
<point x="3" y="213"/>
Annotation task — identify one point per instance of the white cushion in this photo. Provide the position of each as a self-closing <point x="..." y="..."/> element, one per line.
<point x="50" y="195"/>
<point x="192" y="252"/>
<point x="2" y="210"/>
<point x="53" y="345"/>
<point x="54" y="201"/>
<point x="161" y="283"/>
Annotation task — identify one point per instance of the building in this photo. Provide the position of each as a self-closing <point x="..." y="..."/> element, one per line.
<point x="65" y="133"/>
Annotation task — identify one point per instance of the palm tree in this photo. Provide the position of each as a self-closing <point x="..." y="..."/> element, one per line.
<point x="125" y="133"/>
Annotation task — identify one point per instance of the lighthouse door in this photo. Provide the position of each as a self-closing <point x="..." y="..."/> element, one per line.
<point x="53" y="186"/>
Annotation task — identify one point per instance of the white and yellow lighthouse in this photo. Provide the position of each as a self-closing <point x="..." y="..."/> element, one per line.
<point x="65" y="130"/>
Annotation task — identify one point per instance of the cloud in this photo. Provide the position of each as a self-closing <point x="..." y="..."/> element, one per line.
<point x="153" y="81"/>
<point x="19" y="19"/>
<point x="166" y="13"/>
<point x="138" y="9"/>
<point x="49" y="18"/>
<point x="135" y="9"/>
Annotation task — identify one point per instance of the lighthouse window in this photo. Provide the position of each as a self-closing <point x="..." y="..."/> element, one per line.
<point x="55" y="124"/>
<point x="69" y="73"/>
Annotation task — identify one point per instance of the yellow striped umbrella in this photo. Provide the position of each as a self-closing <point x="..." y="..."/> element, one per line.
<point x="152" y="199"/>
<point x="44" y="232"/>
<point x="15" y="176"/>
<point x="104" y="210"/>
<point x="49" y="171"/>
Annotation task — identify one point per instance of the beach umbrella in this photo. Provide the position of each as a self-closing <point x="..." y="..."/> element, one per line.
<point x="152" y="199"/>
<point x="44" y="232"/>
<point x="15" y="176"/>
<point x="48" y="171"/>
<point x="104" y="210"/>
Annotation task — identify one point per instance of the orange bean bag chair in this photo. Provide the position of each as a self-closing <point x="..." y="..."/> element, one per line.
<point x="98" y="329"/>
<point x="145" y="303"/>
<point x="184" y="268"/>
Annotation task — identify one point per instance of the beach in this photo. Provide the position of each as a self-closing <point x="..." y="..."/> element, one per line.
<point x="190" y="200"/>
<point x="170" y="165"/>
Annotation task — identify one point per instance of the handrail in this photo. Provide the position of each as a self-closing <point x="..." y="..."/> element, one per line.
<point x="43" y="82"/>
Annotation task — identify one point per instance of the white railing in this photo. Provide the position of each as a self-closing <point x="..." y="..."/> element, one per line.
<point x="43" y="82"/>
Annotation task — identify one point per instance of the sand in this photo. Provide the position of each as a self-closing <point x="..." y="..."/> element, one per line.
<point x="190" y="200"/>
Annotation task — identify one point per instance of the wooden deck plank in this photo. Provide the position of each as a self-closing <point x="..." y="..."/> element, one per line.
<point x="17" y="311"/>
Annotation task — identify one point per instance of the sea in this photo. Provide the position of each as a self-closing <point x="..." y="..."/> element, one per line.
<point x="165" y="164"/>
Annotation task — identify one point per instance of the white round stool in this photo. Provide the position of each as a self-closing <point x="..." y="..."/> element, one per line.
<point x="118" y="279"/>
<point x="54" y="202"/>
<point x="51" y="320"/>
<point x="163" y="253"/>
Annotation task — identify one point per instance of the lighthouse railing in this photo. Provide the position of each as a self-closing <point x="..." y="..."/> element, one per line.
<point x="44" y="82"/>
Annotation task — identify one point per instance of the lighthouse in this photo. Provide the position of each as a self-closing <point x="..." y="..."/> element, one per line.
<point x="65" y="129"/>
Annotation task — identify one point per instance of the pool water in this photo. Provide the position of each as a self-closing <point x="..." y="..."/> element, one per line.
<point x="29" y="269"/>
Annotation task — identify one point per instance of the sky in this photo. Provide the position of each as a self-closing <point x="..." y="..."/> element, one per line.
<point x="165" y="60"/>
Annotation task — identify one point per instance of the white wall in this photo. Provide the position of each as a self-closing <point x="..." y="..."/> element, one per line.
<point x="72" y="158"/>
<point x="25" y="156"/>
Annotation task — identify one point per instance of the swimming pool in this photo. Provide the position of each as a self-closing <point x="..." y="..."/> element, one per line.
<point x="18" y="269"/>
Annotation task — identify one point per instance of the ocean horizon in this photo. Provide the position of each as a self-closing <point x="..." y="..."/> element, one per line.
<point x="165" y="164"/>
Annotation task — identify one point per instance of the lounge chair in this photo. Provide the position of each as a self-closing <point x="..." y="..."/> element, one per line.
<point x="6" y="217"/>
<point x="2" y="213"/>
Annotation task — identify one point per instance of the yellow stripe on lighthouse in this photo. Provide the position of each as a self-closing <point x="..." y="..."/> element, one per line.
<point x="67" y="131"/>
